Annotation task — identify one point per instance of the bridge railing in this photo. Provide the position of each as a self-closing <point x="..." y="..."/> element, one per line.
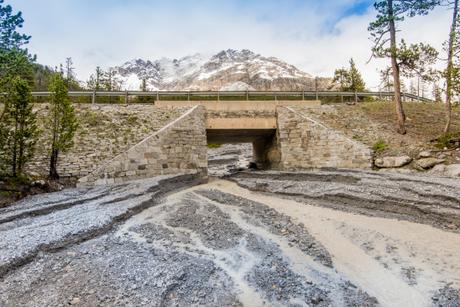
<point x="332" y="96"/>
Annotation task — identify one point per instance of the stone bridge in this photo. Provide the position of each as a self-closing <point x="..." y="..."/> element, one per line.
<point x="283" y="138"/>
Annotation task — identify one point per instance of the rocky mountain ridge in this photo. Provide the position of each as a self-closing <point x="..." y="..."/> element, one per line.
<point x="228" y="70"/>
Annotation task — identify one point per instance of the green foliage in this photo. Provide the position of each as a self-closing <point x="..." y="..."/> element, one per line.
<point x="444" y="140"/>
<point x="9" y="23"/>
<point x="413" y="60"/>
<point x="14" y="61"/>
<point x="380" y="146"/>
<point x="62" y="117"/>
<point x="350" y="80"/>
<point x="213" y="146"/>
<point x="62" y="121"/>
<point x="18" y="129"/>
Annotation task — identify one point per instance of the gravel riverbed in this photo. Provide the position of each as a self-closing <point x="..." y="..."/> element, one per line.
<point x="324" y="238"/>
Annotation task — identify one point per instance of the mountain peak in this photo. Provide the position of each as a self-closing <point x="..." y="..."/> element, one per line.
<point x="227" y="70"/>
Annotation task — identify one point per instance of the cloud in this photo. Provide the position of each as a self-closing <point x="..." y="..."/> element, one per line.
<point x="316" y="36"/>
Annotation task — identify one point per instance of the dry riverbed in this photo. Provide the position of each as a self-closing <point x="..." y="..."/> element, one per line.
<point x="330" y="238"/>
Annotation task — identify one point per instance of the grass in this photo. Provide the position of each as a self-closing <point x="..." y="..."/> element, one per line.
<point x="380" y="146"/>
<point x="213" y="146"/>
<point x="443" y="140"/>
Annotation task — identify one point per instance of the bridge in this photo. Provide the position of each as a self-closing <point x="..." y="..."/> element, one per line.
<point x="154" y="96"/>
<point x="283" y="135"/>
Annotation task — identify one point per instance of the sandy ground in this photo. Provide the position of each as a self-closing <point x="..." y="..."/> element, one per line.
<point x="172" y="242"/>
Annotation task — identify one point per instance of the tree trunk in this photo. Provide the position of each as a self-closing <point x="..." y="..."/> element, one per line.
<point x="53" y="164"/>
<point x="401" y="117"/>
<point x="450" y="67"/>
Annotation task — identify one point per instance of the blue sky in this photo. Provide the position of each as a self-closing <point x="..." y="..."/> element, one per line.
<point x="316" y="36"/>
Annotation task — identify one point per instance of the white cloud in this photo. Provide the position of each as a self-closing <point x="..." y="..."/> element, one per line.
<point x="307" y="38"/>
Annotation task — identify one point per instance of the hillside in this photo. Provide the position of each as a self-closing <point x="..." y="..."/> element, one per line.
<point x="373" y="122"/>
<point x="227" y="70"/>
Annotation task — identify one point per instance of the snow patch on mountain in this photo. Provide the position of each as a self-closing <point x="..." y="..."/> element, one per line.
<point x="227" y="70"/>
<point x="237" y="86"/>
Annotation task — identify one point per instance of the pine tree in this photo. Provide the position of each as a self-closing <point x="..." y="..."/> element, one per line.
<point x="14" y="61"/>
<point x="10" y="38"/>
<point x="356" y="81"/>
<point x="383" y="31"/>
<point x="453" y="47"/>
<point x="349" y="80"/>
<point x="18" y="129"/>
<point x="62" y="121"/>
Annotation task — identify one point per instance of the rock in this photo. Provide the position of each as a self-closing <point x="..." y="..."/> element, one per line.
<point x="75" y="301"/>
<point x="442" y="156"/>
<point x="439" y="169"/>
<point x="424" y="154"/>
<point x="392" y="162"/>
<point x="427" y="163"/>
<point x="452" y="170"/>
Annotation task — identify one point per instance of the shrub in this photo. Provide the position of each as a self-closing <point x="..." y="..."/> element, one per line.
<point x="443" y="140"/>
<point x="380" y="146"/>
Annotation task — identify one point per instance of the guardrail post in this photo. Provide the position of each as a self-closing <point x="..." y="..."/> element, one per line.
<point x="276" y="96"/>
<point x="356" y="97"/>
<point x="247" y="95"/>
<point x="303" y="95"/>
<point x="341" y="98"/>
<point x="316" y="89"/>
<point x="93" y="99"/>
<point x="126" y="97"/>
<point x="188" y="96"/>
<point x="158" y="96"/>
<point x="218" y="95"/>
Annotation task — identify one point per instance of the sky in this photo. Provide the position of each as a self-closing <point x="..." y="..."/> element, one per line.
<point x="316" y="36"/>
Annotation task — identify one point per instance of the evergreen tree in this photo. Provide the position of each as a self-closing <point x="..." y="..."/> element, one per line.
<point x="10" y="38"/>
<point x="451" y="72"/>
<point x="350" y="80"/>
<point x="356" y="81"/>
<point x="18" y="129"/>
<point x="383" y="31"/>
<point x="14" y="61"/>
<point x="62" y="121"/>
<point x="341" y="78"/>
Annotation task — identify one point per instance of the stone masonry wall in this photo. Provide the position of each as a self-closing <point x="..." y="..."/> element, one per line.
<point x="305" y="143"/>
<point x="179" y="147"/>
<point x="104" y="131"/>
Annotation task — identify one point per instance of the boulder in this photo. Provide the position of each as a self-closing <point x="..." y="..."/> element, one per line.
<point x="424" y="154"/>
<point x="393" y="162"/>
<point x="427" y="163"/>
<point x="453" y="170"/>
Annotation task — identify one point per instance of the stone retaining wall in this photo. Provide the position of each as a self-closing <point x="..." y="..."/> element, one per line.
<point x="305" y="143"/>
<point x="179" y="147"/>
<point x="104" y="131"/>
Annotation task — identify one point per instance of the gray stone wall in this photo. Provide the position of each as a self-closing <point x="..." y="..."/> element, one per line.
<point x="104" y="131"/>
<point x="305" y="143"/>
<point x="179" y="147"/>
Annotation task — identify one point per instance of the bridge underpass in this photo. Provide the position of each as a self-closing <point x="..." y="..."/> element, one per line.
<point x="282" y="138"/>
<point x="260" y="132"/>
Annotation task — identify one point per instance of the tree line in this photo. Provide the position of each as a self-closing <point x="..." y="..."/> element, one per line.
<point x="19" y="130"/>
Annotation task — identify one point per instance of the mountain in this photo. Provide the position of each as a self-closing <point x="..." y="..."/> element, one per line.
<point x="228" y="70"/>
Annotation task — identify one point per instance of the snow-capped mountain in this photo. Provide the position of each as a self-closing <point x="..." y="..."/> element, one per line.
<point x="229" y="70"/>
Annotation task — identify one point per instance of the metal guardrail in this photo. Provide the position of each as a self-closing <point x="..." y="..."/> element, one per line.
<point x="234" y="95"/>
